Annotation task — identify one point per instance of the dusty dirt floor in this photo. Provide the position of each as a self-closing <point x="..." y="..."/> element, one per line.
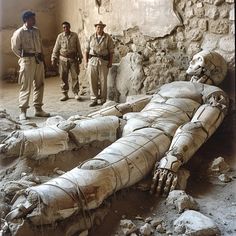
<point x="217" y="200"/>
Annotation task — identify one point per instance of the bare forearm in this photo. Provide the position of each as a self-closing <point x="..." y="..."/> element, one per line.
<point x="110" y="58"/>
<point x="86" y="56"/>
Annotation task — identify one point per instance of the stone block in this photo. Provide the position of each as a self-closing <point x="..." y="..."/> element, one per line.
<point x="199" y="12"/>
<point x="232" y="14"/>
<point x="189" y="3"/>
<point x="227" y="43"/>
<point x="203" y="24"/>
<point x="194" y="35"/>
<point x="199" y="5"/>
<point x="210" y="41"/>
<point x="232" y="29"/>
<point x="219" y="27"/>
<point x="189" y="13"/>
<point x="224" y="13"/>
<point x="193" y="24"/>
<point x="212" y="13"/>
<point x="193" y="48"/>
<point x="218" y="2"/>
<point x="209" y="1"/>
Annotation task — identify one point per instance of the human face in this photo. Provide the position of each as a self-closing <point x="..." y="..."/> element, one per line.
<point x="30" y="22"/>
<point x="66" y="28"/>
<point x="99" y="29"/>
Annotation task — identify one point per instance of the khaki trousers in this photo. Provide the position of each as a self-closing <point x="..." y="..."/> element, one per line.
<point x="30" y="74"/>
<point x="97" y="75"/>
<point x="64" y="68"/>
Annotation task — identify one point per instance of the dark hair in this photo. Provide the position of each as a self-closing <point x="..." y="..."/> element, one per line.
<point x="26" y="15"/>
<point x="66" y="23"/>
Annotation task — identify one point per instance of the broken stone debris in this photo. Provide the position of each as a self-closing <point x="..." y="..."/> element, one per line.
<point x="224" y="178"/>
<point x="193" y="223"/>
<point x="219" y="166"/>
<point x="128" y="227"/>
<point x="181" y="201"/>
<point x="146" y="229"/>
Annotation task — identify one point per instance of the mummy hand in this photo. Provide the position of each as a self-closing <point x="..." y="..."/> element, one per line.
<point x="165" y="175"/>
<point x="163" y="182"/>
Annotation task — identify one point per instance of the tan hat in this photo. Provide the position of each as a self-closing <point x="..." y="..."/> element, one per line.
<point x="100" y="23"/>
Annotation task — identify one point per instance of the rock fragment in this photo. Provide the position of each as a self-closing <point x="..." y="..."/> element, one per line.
<point x="193" y="223"/>
<point x="127" y="227"/>
<point x="181" y="201"/>
<point x="219" y="166"/>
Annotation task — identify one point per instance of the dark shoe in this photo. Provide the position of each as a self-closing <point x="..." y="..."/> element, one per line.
<point x="103" y="101"/>
<point x="22" y="116"/>
<point x="93" y="103"/>
<point x="64" y="97"/>
<point x="41" y="113"/>
<point x="77" y="97"/>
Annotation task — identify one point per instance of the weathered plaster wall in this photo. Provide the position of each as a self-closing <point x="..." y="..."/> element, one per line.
<point x="69" y="11"/>
<point x="11" y="20"/>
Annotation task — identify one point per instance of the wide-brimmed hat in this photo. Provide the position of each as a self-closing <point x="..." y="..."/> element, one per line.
<point x="100" y="23"/>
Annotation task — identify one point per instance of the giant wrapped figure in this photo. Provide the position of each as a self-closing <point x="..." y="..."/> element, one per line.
<point x="161" y="131"/>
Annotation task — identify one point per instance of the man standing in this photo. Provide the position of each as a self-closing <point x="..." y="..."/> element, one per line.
<point x="27" y="45"/>
<point x="67" y="52"/>
<point x="98" y="59"/>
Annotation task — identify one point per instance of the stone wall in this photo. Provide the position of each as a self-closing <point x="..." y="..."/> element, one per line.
<point x="11" y="20"/>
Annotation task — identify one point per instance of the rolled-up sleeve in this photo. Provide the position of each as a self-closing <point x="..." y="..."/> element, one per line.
<point x="111" y="45"/>
<point x="87" y="44"/>
<point x="80" y="55"/>
<point x="16" y="43"/>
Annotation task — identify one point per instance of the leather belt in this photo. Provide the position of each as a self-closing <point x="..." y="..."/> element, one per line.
<point x="29" y="54"/>
<point x="106" y="57"/>
<point x="38" y="56"/>
<point x="71" y="55"/>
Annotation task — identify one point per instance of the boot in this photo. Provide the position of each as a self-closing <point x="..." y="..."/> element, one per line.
<point x="103" y="101"/>
<point x="39" y="112"/>
<point x="93" y="103"/>
<point x="77" y="97"/>
<point x="64" y="97"/>
<point x="22" y="115"/>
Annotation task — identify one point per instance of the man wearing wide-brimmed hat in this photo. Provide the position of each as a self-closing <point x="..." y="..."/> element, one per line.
<point x="98" y="59"/>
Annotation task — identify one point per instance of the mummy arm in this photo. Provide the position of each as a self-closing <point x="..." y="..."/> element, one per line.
<point x="187" y="140"/>
<point x="190" y="136"/>
<point x="120" y="109"/>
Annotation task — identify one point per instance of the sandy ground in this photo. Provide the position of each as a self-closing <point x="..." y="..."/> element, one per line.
<point x="216" y="199"/>
<point x="52" y="103"/>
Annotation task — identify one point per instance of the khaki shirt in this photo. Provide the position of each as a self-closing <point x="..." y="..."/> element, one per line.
<point x="67" y="46"/>
<point x="103" y="48"/>
<point x="26" y="40"/>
